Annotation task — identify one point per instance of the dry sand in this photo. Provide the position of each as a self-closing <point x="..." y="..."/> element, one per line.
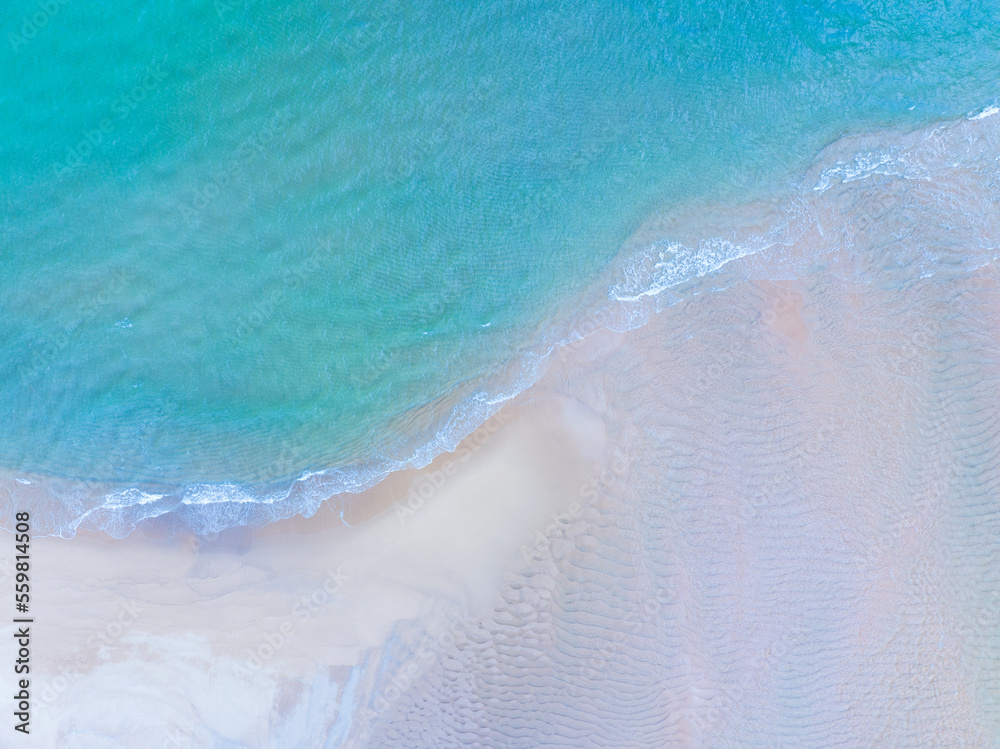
<point x="737" y="521"/>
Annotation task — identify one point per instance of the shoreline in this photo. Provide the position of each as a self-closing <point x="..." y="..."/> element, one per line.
<point x="616" y="495"/>
<point x="489" y="499"/>
<point x="772" y="230"/>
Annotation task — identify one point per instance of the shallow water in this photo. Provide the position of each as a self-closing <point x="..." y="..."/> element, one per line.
<point x="798" y="551"/>
<point x="764" y="517"/>
<point x="243" y="243"/>
<point x="750" y="501"/>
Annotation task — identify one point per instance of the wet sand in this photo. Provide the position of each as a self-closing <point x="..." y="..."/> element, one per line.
<point x="766" y="517"/>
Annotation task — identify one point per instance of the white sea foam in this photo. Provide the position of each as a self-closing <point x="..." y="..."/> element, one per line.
<point x="668" y="264"/>
<point x="946" y="173"/>
<point x="130" y="497"/>
<point x="989" y="111"/>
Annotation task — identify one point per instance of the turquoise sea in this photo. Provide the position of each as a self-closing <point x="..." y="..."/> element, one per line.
<point x="254" y="254"/>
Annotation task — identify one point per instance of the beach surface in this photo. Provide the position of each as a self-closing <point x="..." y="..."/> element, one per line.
<point x="763" y="518"/>
<point x="501" y="375"/>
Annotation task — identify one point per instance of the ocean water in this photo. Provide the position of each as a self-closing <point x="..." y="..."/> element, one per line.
<point x="790" y="539"/>
<point x="254" y="254"/>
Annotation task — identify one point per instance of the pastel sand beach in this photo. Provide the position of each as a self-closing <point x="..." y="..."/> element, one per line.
<point x="614" y="392"/>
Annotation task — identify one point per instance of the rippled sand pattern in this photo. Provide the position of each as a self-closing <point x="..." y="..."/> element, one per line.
<point x="802" y="551"/>
<point x="767" y="517"/>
